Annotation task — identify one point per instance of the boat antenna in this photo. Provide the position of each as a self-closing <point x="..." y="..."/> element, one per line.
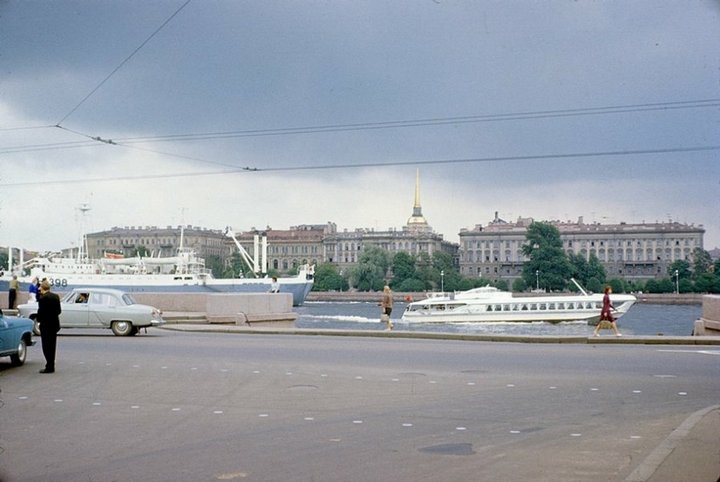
<point x="579" y="287"/>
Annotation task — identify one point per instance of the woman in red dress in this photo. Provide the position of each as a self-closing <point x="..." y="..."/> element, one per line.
<point x="606" y="315"/>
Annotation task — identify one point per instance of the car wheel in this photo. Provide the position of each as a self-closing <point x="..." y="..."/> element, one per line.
<point x="122" y="328"/>
<point x="19" y="357"/>
<point x="36" y="327"/>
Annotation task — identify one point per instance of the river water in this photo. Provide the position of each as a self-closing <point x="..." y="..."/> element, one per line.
<point x="641" y="320"/>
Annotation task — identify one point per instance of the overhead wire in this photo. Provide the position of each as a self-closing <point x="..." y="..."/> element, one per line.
<point x="116" y="69"/>
<point x="583" y="111"/>
<point x="236" y="170"/>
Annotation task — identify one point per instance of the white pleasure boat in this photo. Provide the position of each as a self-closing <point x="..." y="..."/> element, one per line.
<point x="488" y="304"/>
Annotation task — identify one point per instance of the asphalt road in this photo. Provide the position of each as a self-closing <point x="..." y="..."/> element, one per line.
<point x="171" y="406"/>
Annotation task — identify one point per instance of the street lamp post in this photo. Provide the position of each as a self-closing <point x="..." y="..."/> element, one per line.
<point x="677" y="282"/>
<point x="442" y="281"/>
<point x="537" y="280"/>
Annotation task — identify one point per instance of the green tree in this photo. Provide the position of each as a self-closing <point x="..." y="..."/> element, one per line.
<point x="446" y="277"/>
<point x="682" y="267"/>
<point x="585" y="271"/>
<point x="403" y="268"/>
<point x="501" y="284"/>
<point x="3" y="260"/>
<point x="425" y="272"/>
<point x="547" y="260"/>
<point x="327" y="278"/>
<point x="705" y="283"/>
<point x="519" y="285"/>
<point x="371" y="270"/>
<point x="702" y="262"/>
<point x="215" y="264"/>
<point x="617" y="285"/>
<point x="140" y="251"/>
<point x="411" y="285"/>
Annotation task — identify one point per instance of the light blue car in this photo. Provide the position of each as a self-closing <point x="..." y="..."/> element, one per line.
<point x="15" y="337"/>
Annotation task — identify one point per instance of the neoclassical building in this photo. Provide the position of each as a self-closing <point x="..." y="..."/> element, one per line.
<point x="158" y="241"/>
<point x="629" y="251"/>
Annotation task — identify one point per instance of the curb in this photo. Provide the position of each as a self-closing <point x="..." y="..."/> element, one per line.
<point x="625" y="340"/>
<point x="658" y="456"/>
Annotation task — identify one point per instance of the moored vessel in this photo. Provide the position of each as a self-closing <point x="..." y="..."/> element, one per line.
<point x="488" y="304"/>
<point x="184" y="272"/>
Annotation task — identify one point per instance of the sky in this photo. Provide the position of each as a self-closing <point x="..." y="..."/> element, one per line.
<point x="277" y="113"/>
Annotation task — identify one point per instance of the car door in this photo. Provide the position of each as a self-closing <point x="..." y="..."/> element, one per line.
<point x="4" y="332"/>
<point x="102" y="309"/>
<point x="75" y="310"/>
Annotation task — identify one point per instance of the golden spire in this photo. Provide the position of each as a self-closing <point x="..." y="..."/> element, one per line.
<point x="417" y="189"/>
<point x="417" y="221"/>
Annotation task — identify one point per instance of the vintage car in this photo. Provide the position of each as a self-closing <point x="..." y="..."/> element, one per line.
<point x="15" y="337"/>
<point x="100" y="308"/>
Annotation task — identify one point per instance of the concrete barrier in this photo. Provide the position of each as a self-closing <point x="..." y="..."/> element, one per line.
<point x="709" y="324"/>
<point x="236" y="308"/>
<point x="261" y="309"/>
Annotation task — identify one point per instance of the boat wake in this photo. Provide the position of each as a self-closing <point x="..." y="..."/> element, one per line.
<point x="350" y="318"/>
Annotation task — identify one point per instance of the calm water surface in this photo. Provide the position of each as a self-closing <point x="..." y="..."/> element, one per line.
<point x="642" y="319"/>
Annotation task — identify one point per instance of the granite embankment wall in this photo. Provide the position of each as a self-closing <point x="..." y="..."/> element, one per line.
<point x="709" y="323"/>
<point x="238" y="308"/>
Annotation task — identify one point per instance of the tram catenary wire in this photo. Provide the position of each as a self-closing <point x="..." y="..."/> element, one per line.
<point x="543" y="157"/>
<point x="575" y="112"/>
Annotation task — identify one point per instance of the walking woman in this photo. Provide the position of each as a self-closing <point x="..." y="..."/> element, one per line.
<point x="605" y="314"/>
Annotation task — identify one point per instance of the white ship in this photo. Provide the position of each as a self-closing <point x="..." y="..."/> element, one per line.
<point x="488" y="304"/>
<point x="180" y="273"/>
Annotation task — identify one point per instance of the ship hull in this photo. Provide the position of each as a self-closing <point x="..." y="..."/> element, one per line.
<point x="298" y="287"/>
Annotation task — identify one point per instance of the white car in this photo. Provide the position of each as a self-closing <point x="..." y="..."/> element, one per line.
<point x="99" y="308"/>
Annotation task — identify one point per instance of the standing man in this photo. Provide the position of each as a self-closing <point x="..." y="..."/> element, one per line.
<point x="12" y="292"/>
<point x="386" y="305"/>
<point x="48" y="316"/>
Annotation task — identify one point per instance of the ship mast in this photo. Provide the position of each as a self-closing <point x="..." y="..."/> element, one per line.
<point x="82" y="256"/>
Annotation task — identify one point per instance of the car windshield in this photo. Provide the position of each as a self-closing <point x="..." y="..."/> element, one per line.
<point x="69" y="297"/>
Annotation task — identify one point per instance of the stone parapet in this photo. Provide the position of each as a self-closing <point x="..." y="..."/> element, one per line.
<point x="709" y="324"/>
<point x="235" y="308"/>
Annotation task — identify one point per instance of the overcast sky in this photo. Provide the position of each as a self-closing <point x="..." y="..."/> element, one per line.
<point x="608" y="110"/>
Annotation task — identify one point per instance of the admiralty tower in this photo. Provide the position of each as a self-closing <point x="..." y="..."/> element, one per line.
<point x="343" y="248"/>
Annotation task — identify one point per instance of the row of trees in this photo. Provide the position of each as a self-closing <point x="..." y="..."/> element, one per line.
<point x="548" y="267"/>
<point x="409" y="273"/>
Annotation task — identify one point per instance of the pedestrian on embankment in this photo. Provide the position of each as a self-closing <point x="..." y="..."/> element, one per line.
<point x="606" y="317"/>
<point x="386" y="305"/>
<point x="14" y="287"/>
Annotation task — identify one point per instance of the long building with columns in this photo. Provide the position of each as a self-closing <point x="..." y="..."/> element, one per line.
<point x="628" y="251"/>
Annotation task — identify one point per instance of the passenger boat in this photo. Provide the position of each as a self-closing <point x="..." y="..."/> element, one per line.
<point x="184" y="272"/>
<point x="488" y="304"/>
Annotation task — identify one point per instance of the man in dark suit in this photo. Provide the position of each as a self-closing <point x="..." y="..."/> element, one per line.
<point x="48" y="316"/>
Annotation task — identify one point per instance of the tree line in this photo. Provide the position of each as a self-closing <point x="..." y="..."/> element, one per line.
<point x="548" y="267"/>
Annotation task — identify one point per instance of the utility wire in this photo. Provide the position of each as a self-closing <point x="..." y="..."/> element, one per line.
<point x="429" y="121"/>
<point x="72" y="111"/>
<point x="690" y="104"/>
<point x="5" y="129"/>
<point x="540" y="157"/>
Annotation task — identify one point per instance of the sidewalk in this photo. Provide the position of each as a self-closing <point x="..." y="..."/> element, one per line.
<point x="690" y="453"/>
